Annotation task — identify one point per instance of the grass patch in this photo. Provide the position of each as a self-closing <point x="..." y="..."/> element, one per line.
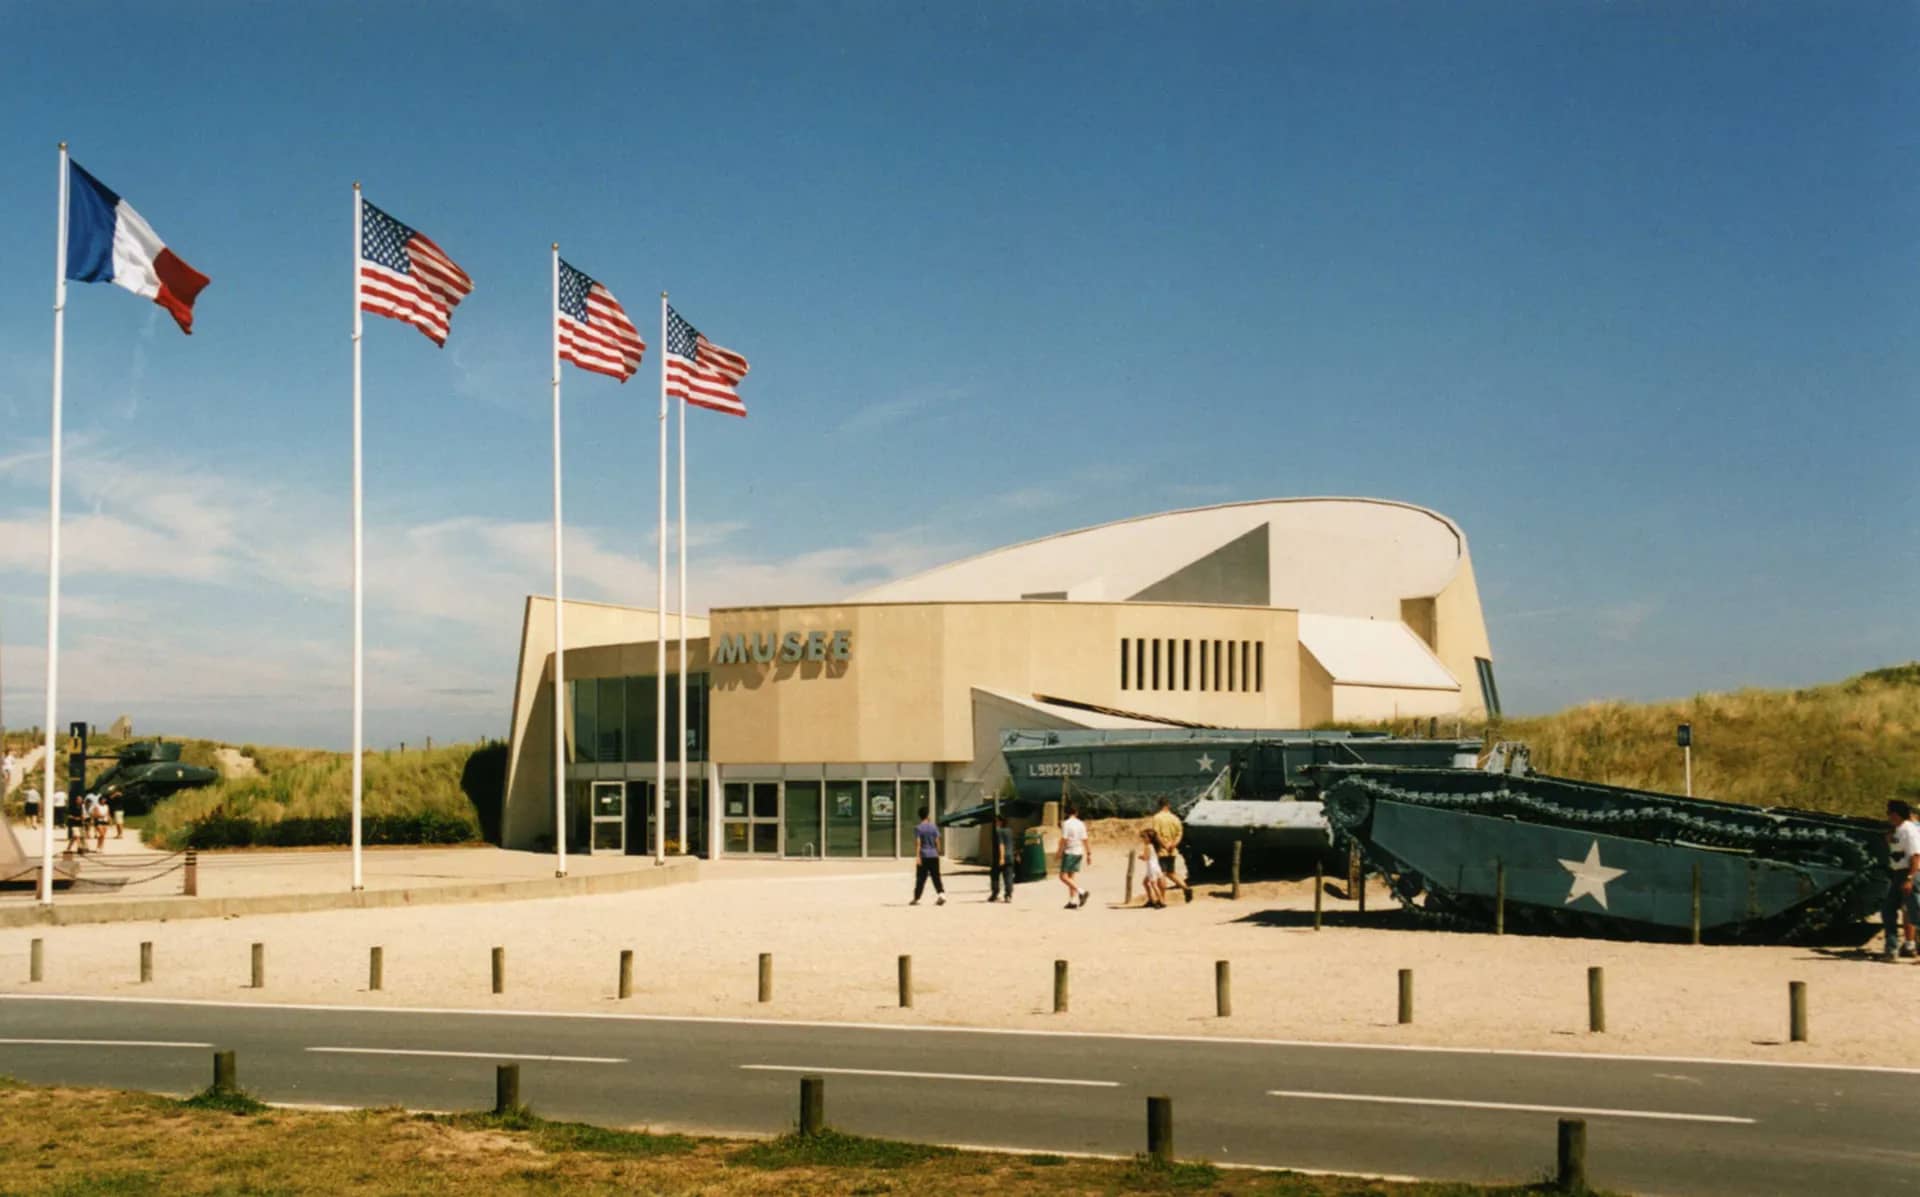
<point x="833" y="1149"/>
<point x="137" y="1145"/>
<point x="573" y="1136"/>
<point x="226" y="1101"/>
<point x="1147" y="1175"/>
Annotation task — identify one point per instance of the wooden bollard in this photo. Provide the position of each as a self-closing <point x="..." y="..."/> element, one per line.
<point x="1222" y="988"/>
<point x="146" y="961"/>
<point x="1236" y="870"/>
<point x="1596" y="999"/>
<point x="259" y="966"/>
<point x="1160" y="1130"/>
<point x="813" y="1105"/>
<point x="1406" y="996"/>
<point x="766" y="976"/>
<point x="226" y="1075"/>
<point x="1126" y="899"/>
<point x="1696" y="903"/>
<point x="37" y="961"/>
<point x="1499" y="897"/>
<point x="506" y="1088"/>
<point x="376" y="968"/>
<point x="499" y="970"/>
<point x="1319" y="885"/>
<point x="1059" y="987"/>
<point x="190" y="875"/>
<point x="1797" y="1011"/>
<point x="906" y="982"/>
<point x="1570" y="1172"/>
<point x="626" y="973"/>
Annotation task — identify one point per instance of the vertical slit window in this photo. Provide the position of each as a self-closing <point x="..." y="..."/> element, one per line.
<point x="1246" y="665"/>
<point x="1260" y="666"/>
<point x="1156" y="662"/>
<point x="1186" y="664"/>
<point x="1219" y="681"/>
<point x="1124" y="679"/>
<point x="1233" y="674"/>
<point x="1139" y="662"/>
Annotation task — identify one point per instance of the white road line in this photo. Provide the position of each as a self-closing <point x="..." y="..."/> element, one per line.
<point x="937" y="1076"/>
<point x="903" y="1028"/>
<point x="101" y="1043"/>
<point x="1384" y="1099"/>
<point x="400" y="1051"/>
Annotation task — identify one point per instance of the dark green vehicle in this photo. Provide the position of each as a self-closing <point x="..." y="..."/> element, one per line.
<point x="146" y="771"/>
<point x="1584" y="859"/>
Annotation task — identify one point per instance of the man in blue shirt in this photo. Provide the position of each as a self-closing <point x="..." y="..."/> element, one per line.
<point x="1002" y="863"/>
<point x="927" y="836"/>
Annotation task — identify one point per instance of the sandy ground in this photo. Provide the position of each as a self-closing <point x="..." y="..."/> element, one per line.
<point x="137" y="871"/>
<point x="835" y="929"/>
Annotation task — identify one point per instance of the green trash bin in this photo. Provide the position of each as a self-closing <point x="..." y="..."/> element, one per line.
<point x="1033" y="855"/>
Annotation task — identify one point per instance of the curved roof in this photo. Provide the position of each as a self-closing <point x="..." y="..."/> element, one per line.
<point x="1338" y="556"/>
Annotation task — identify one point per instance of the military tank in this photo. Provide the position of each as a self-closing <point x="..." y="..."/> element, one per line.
<point x="1577" y="858"/>
<point x="146" y="771"/>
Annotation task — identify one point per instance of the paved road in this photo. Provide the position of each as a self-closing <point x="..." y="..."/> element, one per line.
<point x="1654" y="1126"/>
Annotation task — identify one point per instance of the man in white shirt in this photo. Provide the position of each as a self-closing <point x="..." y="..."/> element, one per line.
<point x="1903" y="868"/>
<point x="1075" y="852"/>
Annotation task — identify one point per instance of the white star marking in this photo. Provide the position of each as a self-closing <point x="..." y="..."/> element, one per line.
<point x="1206" y="762"/>
<point x="1590" y="877"/>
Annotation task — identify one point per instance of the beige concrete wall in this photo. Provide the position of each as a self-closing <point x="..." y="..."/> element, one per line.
<point x="1373" y="703"/>
<point x="1316" y="693"/>
<point x="600" y="640"/>
<point x="904" y="694"/>
<point x="1461" y="634"/>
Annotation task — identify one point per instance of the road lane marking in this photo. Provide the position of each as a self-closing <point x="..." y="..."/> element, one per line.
<point x="898" y="1028"/>
<point x="1386" y="1099"/>
<point x="401" y="1051"/>
<point x="937" y="1076"/>
<point x="101" y="1043"/>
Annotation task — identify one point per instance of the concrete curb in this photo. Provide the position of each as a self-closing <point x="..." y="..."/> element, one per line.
<point x="135" y="910"/>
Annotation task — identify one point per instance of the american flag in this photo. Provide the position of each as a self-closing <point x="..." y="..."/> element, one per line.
<point x="595" y="333"/>
<point x="405" y="275"/>
<point x="701" y="372"/>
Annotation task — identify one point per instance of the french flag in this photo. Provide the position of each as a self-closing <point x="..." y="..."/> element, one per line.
<point x="108" y="242"/>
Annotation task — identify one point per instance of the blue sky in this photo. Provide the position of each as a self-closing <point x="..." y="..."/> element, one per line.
<point x="1626" y="289"/>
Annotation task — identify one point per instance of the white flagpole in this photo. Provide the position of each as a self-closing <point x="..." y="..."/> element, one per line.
<point x="53" y="535"/>
<point x="684" y="796"/>
<point x="559" y="612"/>
<point x="660" y="625"/>
<point x="359" y="572"/>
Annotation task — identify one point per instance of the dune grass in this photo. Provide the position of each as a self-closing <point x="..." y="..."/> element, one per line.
<point x="304" y="797"/>
<point x="1843" y="748"/>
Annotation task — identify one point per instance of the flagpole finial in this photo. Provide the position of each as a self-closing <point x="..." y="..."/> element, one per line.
<point x="63" y="145"/>
<point x="356" y="184"/>
<point x="663" y="294"/>
<point x="556" y="247"/>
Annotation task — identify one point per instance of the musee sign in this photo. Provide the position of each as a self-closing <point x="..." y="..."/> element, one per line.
<point x="740" y="648"/>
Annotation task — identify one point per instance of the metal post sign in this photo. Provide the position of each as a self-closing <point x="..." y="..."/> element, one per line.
<point x="1684" y="737"/>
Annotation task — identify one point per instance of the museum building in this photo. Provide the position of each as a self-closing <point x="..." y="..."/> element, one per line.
<point x="821" y="729"/>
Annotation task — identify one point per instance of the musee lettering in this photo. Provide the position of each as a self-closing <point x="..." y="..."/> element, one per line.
<point x="763" y="648"/>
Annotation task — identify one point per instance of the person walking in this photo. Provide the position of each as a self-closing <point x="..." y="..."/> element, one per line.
<point x="101" y="817"/>
<point x="1903" y="868"/>
<point x="1002" y="865"/>
<point x="1075" y="852"/>
<point x="1153" y="880"/>
<point x="927" y="864"/>
<point x="1168" y="829"/>
<point x="32" y="801"/>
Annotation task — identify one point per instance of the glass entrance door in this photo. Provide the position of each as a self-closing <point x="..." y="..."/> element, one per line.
<point x="751" y="819"/>
<point x="883" y="815"/>
<point x="802" y="818"/>
<point x="609" y="808"/>
<point x="640" y="817"/>
<point x="843" y="818"/>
